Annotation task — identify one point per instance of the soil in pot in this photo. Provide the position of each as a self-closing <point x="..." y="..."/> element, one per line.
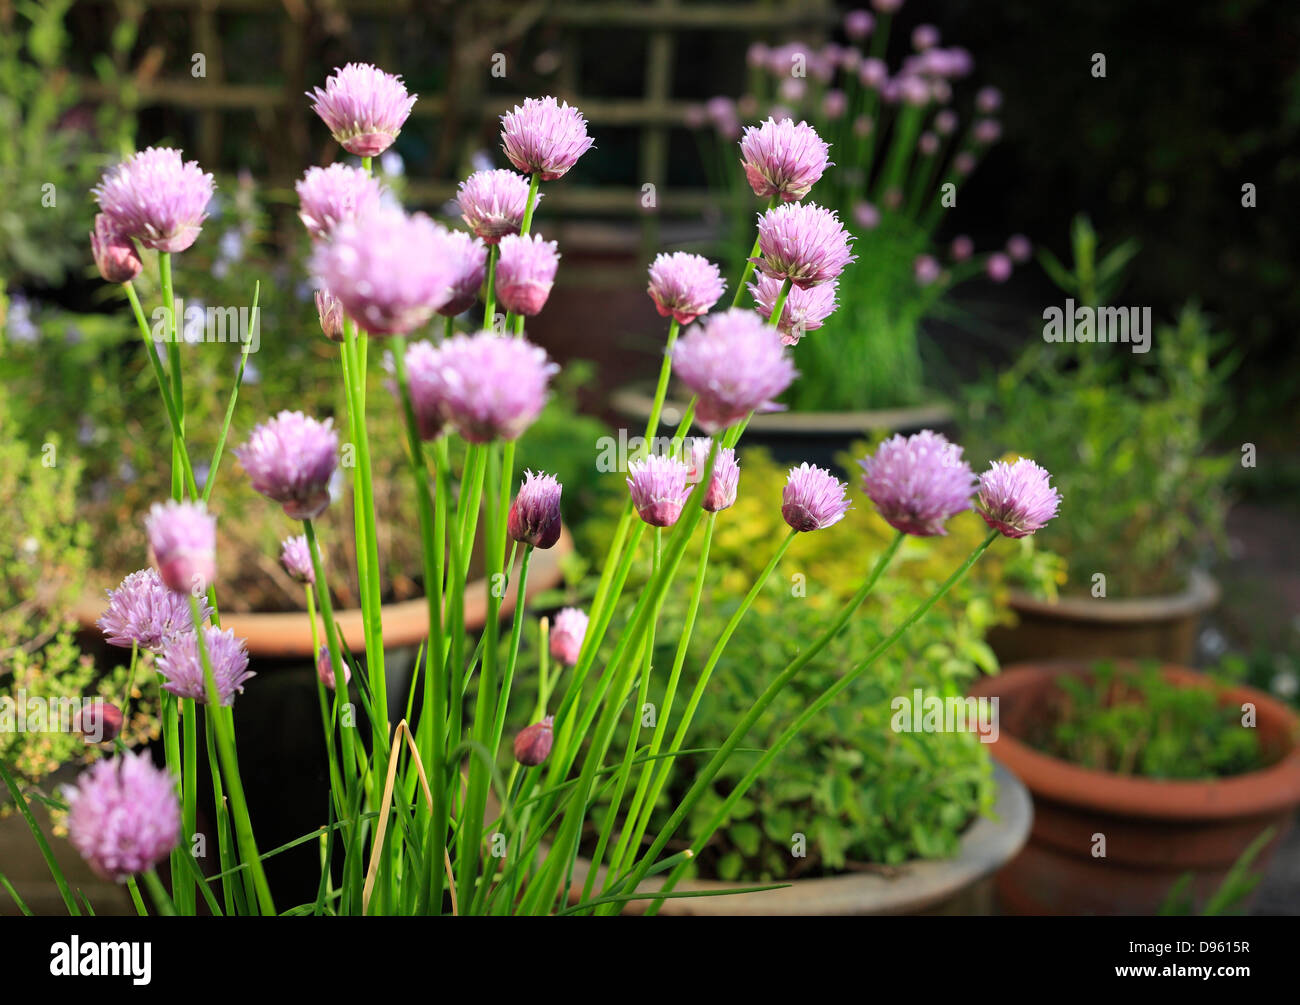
<point x="1108" y="843"/>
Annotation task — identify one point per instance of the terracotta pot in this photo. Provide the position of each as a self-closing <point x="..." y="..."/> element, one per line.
<point x="794" y="437"/>
<point x="1155" y="831"/>
<point x="958" y="885"/>
<point x="287" y="634"/>
<point x="1084" y="628"/>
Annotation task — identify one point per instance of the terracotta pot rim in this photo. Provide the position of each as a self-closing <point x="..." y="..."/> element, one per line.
<point x="987" y="845"/>
<point x="634" y="400"/>
<point x="1256" y="793"/>
<point x="287" y="634"/>
<point x="1201" y="595"/>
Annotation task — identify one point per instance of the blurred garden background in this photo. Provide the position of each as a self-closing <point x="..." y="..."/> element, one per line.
<point x="1116" y="153"/>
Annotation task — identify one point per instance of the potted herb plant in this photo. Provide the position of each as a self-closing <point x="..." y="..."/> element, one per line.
<point x="1140" y="773"/>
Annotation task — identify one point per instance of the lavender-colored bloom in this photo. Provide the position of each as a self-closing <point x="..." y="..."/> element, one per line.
<point x="567" y="633"/>
<point x="813" y="498"/>
<point x="1019" y="248"/>
<point x="491" y="387"/>
<point x="181" y="665"/>
<point x="924" y="36"/>
<point x="364" y="108"/>
<point x="386" y="269"/>
<point x="926" y="270"/>
<point x="330" y="311"/>
<point x="114" y="252"/>
<point x="735" y="364"/>
<point x="466" y="256"/>
<point x="544" y="136"/>
<point x="918" y="482"/>
<point x="123" y="815"/>
<point x="330" y="196"/>
<point x="873" y="73"/>
<point x="525" y="273"/>
<point x="658" y="487"/>
<point x="98" y="721"/>
<point x="425" y="385"/>
<point x="914" y="90"/>
<point x="866" y="216"/>
<point x="928" y="144"/>
<point x="144" y="612"/>
<point x="987" y="131"/>
<point x="721" y="493"/>
<point x="533" y="743"/>
<point x="998" y="267"/>
<point x="684" y="286"/>
<point x="325" y="670"/>
<point x="835" y="104"/>
<point x="945" y="122"/>
<point x="962" y="248"/>
<point x="858" y="24"/>
<point x="964" y="163"/>
<point x="803" y="311"/>
<point x="183" y="540"/>
<point x="295" y="556"/>
<point x="756" y="55"/>
<point x="290" y="460"/>
<point x="782" y="158"/>
<point x="988" y="100"/>
<point x="793" y="89"/>
<point x="157" y="198"/>
<point x="492" y="203"/>
<point x="534" y="517"/>
<point x="803" y="243"/>
<point x="1018" y="498"/>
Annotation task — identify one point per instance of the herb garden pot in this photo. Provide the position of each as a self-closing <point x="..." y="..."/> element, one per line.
<point x="794" y="437"/>
<point x="1084" y="628"/>
<point x="1155" y="831"/>
<point x="959" y="885"/>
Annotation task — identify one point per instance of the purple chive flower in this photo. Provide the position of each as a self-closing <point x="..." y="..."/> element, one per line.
<point x="834" y="104"/>
<point x="114" y="252"/>
<point x="325" y="670"/>
<point x="964" y="163"/>
<point x="924" y="36"/>
<point x="144" y="612"/>
<point x="803" y="243"/>
<point x="492" y="203"/>
<point x="425" y="385"/>
<point x="123" y="815"/>
<point x="98" y="721"/>
<point x="183" y="540"/>
<point x="756" y="55"/>
<point x="858" y="24"/>
<point x="533" y="744"/>
<point x="813" y="498"/>
<point x="988" y="100"/>
<point x="658" y="487"/>
<point x="491" y="387"/>
<point x="928" y="144"/>
<point x="330" y="311"/>
<point x="567" y="633"/>
<point x="735" y="363"/>
<point x="724" y="481"/>
<point x="181" y="665"/>
<point x="987" y="131"/>
<point x="945" y="122"/>
<point x="866" y="216"/>
<point x="295" y="556"/>
<point x="918" y="482"/>
<point x="386" y="269"/>
<point x="1019" y="248"/>
<point x="804" y="310"/>
<point x="330" y="196"/>
<point x="290" y="460"/>
<point x="534" y="516"/>
<point x="926" y="270"/>
<point x="525" y="272"/>
<point x="782" y="158"/>
<point x="962" y="248"/>
<point x="998" y="267"/>
<point x="157" y="198"/>
<point x="1016" y="499"/>
<point x="873" y="73"/>
<point x="467" y="258"/>
<point x="684" y="286"/>
<point x="544" y="136"/>
<point x="364" y="108"/>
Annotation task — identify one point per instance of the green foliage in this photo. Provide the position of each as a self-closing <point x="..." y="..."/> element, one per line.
<point x="1135" y="722"/>
<point x="858" y="791"/>
<point x="1231" y="894"/>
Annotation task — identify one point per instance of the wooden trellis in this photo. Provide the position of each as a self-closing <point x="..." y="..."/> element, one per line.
<point x="473" y="31"/>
